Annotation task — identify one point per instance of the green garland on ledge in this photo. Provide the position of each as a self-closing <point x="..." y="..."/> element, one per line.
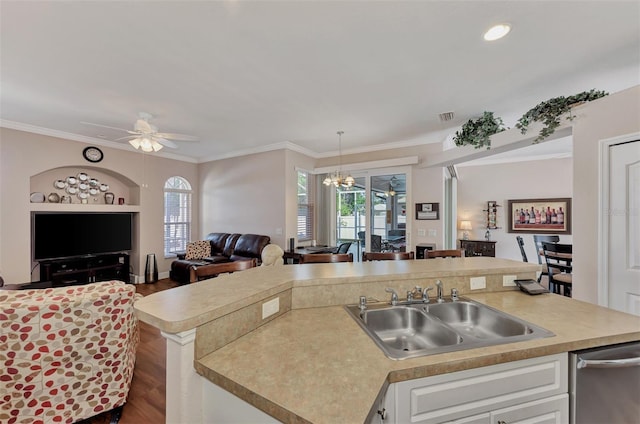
<point x="549" y="112"/>
<point x="478" y="133"/>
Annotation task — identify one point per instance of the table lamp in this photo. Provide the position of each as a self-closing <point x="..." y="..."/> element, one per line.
<point x="465" y="226"/>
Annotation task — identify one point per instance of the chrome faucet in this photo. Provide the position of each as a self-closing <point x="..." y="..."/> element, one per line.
<point x="425" y="294"/>
<point x="363" y="303"/>
<point x="454" y="295"/>
<point x="394" y="296"/>
<point x="439" y="297"/>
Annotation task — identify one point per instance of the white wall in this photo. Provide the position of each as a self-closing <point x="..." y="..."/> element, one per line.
<point x="611" y="116"/>
<point x="501" y="182"/>
<point x="23" y="155"/>
<point x="245" y="195"/>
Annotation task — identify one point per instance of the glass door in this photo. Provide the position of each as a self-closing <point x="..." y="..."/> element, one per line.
<point x="388" y="194"/>
<point x="372" y="215"/>
<point x="351" y="217"/>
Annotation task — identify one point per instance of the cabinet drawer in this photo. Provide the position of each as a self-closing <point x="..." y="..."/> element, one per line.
<point x="467" y="393"/>
<point x="553" y="410"/>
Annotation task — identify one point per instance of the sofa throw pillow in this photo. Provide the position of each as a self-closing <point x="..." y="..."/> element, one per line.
<point x="198" y="250"/>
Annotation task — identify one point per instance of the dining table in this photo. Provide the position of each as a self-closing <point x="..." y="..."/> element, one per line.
<point x="294" y="256"/>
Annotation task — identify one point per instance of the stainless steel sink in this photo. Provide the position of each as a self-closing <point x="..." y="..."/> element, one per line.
<point x="476" y="320"/>
<point x="405" y="329"/>
<point x="409" y="331"/>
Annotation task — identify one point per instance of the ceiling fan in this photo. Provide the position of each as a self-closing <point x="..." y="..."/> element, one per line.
<point x="145" y="136"/>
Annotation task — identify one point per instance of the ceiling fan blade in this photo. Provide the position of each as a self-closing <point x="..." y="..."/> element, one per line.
<point x="103" y="126"/>
<point x="166" y="142"/>
<point x="127" y="137"/>
<point x="181" y="137"/>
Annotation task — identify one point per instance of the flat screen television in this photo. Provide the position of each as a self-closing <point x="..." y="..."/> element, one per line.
<point x="67" y="234"/>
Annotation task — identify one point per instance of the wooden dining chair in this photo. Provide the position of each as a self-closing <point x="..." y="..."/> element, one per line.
<point x="203" y="272"/>
<point x="537" y="241"/>
<point x="386" y="256"/>
<point x="450" y="253"/>
<point x="326" y="258"/>
<point x="521" y="246"/>
<point x="558" y="258"/>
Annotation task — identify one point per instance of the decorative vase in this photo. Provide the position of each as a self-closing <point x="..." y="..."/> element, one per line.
<point x="151" y="269"/>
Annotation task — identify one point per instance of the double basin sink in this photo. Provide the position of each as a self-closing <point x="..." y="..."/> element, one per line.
<point x="412" y="330"/>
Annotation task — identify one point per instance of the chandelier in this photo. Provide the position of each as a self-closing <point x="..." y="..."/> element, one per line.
<point x="337" y="179"/>
<point x="393" y="182"/>
<point x="146" y="144"/>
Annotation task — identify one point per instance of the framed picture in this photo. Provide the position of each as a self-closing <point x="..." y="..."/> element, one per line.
<point x="427" y="210"/>
<point x="539" y="216"/>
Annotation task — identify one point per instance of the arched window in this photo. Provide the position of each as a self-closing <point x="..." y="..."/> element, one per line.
<point x="177" y="215"/>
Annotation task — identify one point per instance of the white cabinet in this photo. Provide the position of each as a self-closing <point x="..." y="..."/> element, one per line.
<point x="552" y="410"/>
<point x="532" y="389"/>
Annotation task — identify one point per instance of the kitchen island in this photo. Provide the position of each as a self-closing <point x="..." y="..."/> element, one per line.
<point x="311" y="362"/>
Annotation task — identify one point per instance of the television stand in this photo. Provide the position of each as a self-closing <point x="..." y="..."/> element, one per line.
<point x="86" y="269"/>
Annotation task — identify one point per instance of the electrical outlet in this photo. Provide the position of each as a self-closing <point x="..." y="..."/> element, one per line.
<point x="478" y="283"/>
<point x="421" y="232"/>
<point x="507" y="280"/>
<point x="279" y="231"/>
<point x="433" y="233"/>
<point x="271" y="307"/>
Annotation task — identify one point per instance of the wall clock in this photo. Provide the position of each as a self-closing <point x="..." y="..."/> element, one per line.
<point x="92" y="154"/>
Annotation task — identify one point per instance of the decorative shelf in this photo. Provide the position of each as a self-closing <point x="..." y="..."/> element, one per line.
<point x="492" y="214"/>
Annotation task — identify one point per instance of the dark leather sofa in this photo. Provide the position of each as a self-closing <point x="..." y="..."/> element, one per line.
<point x="225" y="247"/>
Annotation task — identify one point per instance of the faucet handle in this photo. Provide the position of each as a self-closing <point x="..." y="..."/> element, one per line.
<point x="394" y="296"/>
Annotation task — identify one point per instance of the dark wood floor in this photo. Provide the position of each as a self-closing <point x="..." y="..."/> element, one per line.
<point x="146" y="403"/>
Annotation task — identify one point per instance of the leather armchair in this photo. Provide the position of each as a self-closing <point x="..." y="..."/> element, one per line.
<point x="225" y="248"/>
<point x="249" y="246"/>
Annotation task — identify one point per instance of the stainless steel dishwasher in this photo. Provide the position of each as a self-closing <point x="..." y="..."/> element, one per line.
<point x="605" y="385"/>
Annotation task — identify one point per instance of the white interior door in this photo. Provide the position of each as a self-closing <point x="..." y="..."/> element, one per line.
<point x="624" y="227"/>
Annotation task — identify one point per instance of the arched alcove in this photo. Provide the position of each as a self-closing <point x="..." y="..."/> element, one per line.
<point x="66" y="181"/>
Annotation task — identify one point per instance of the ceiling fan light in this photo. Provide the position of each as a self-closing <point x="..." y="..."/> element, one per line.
<point x="135" y="143"/>
<point x="156" y="146"/>
<point x="146" y="145"/>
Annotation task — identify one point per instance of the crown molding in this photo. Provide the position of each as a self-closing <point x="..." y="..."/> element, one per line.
<point x="375" y="164"/>
<point x="84" y="139"/>
<point x="284" y="145"/>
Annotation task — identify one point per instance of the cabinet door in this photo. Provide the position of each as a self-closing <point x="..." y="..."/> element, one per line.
<point x="469" y="393"/>
<point x="552" y="410"/>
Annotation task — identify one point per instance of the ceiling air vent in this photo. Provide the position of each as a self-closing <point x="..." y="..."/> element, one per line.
<point x="446" y="116"/>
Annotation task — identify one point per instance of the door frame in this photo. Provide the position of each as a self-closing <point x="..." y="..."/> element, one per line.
<point x="367" y="174"/>
<point x="603" y="217"/>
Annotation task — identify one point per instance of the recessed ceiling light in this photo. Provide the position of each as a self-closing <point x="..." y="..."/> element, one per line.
<point x="497" y="31"/>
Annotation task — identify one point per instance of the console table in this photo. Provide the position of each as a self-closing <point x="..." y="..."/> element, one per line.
<point x="478" y="248"/>
<point x="86" y="269"/>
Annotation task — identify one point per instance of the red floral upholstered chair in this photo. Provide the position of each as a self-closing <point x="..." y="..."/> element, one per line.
<point x="66" y="353"/>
